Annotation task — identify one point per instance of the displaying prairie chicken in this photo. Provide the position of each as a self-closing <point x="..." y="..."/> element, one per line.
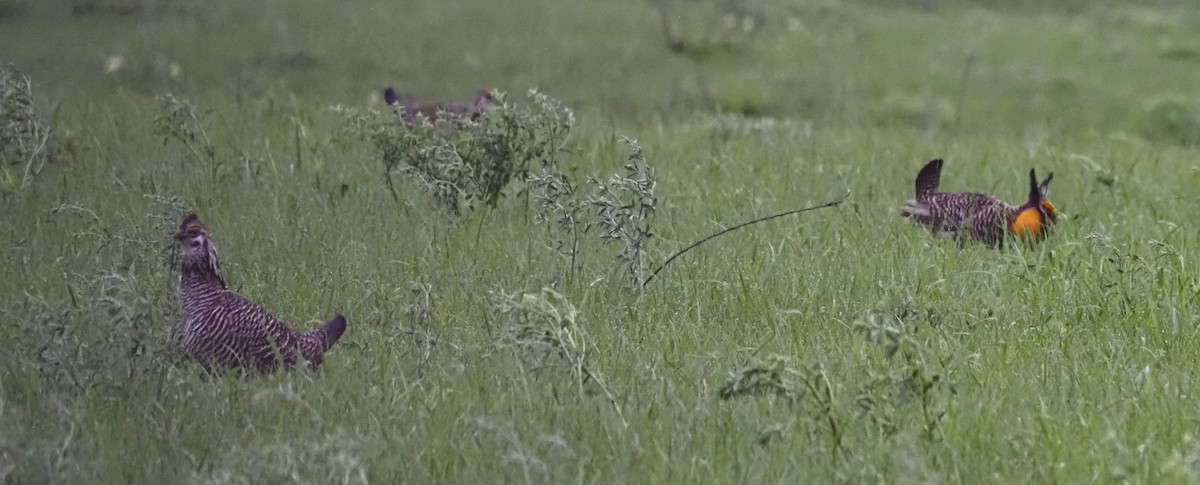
<point x="981" y="216"/>
<point x="224" y="330"/>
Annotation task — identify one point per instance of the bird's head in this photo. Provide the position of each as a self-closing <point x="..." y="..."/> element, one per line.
<point x="1035" y="217"/>
<point x="197" y="251"/>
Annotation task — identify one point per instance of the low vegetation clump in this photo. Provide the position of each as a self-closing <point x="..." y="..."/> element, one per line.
<point x="464" y="163"/>
<point x="620" y="208"/>
<point x="27" y="141"/>
<point x="1172" y="119"/>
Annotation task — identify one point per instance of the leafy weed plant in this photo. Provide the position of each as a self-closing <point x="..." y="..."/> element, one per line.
<point x="464" y="163"/>
<point x="27" y="142"/>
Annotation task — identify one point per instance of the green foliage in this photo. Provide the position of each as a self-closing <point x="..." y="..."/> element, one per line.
<point x="926" y="112"/>
<point x="560" y="207"/>
<point x="124" y="8"/>
<point x="907" y="378"/>
<point x="1172" y="119"/>
<point x="624" y="207"/>
<point x="746" y="102"/>
<point x="105" y="338"/>
<point x="423" y="330"/>
<point x="465" y="163"/>
<point x="772" y="376"/>
<point x="27" y="143"/>
<point x="10" y="8"/>
<point x="108" y="7"/>
<point x="179" y="121"/>
<point x="904" y="393"/>
<point x="700" y="30"/>
<point x="543" y="325"/>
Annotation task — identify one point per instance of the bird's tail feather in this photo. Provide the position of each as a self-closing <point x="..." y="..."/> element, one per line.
<point x="914" y="208"/>
<point x="328" y="334"/>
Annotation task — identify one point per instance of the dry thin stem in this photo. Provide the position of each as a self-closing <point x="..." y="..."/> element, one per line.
<point x="832" y="203"/>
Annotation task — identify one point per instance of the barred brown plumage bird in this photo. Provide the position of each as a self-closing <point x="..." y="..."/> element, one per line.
<point x="409" y="110"/>
<point x="981" y="216"/>
<point x="224" y="330"/>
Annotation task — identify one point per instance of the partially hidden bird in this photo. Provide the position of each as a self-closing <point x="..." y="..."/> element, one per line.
<point x="223" y="330"/>
<point x="980" y="216"/>
<point x="410" y="110"/>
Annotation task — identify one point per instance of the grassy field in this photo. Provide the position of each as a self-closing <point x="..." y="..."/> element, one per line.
<point x="842" y="345"/>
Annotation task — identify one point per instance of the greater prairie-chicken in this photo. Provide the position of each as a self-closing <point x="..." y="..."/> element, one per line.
<point x="982" y="216"/>
<point x="410" y="110"/>
<point x="224" y="330"/>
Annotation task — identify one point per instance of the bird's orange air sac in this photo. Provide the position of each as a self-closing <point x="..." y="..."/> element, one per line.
<point x="1028" y="224"/>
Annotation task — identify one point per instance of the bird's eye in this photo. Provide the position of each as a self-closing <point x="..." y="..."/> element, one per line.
<point x="1048" y="208"/>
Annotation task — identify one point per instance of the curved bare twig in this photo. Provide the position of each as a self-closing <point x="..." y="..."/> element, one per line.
<point x="832" y="203"/>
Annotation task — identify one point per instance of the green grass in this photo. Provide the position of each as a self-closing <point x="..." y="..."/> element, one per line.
<point x="1071" y="361"/>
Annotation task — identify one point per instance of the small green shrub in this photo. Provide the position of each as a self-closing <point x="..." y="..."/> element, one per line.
<point x="1171" y="119"/>
<point x="807" y="390"/>
<point x="703" y="30"/>
<point x="465" y="163"/>
<point x="1180" y="52"/>
<point x="909" y="375"/>
<point x="179" y="121"/>
<point x="774" y="375"/>
<point x="538" y="326"/>
<point x="747" y="102"/>
<point x="118" y="8"/>
<point x="108" y="338"/>
<point x="10" y="8"/>
<point x="27" y="143"/>
<point x="424" y="332"/>
<point x="923" y="111"/>
<point x="560" y="208"/>
<point x="624" y="207"/>
<point x="908" y="390"/>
